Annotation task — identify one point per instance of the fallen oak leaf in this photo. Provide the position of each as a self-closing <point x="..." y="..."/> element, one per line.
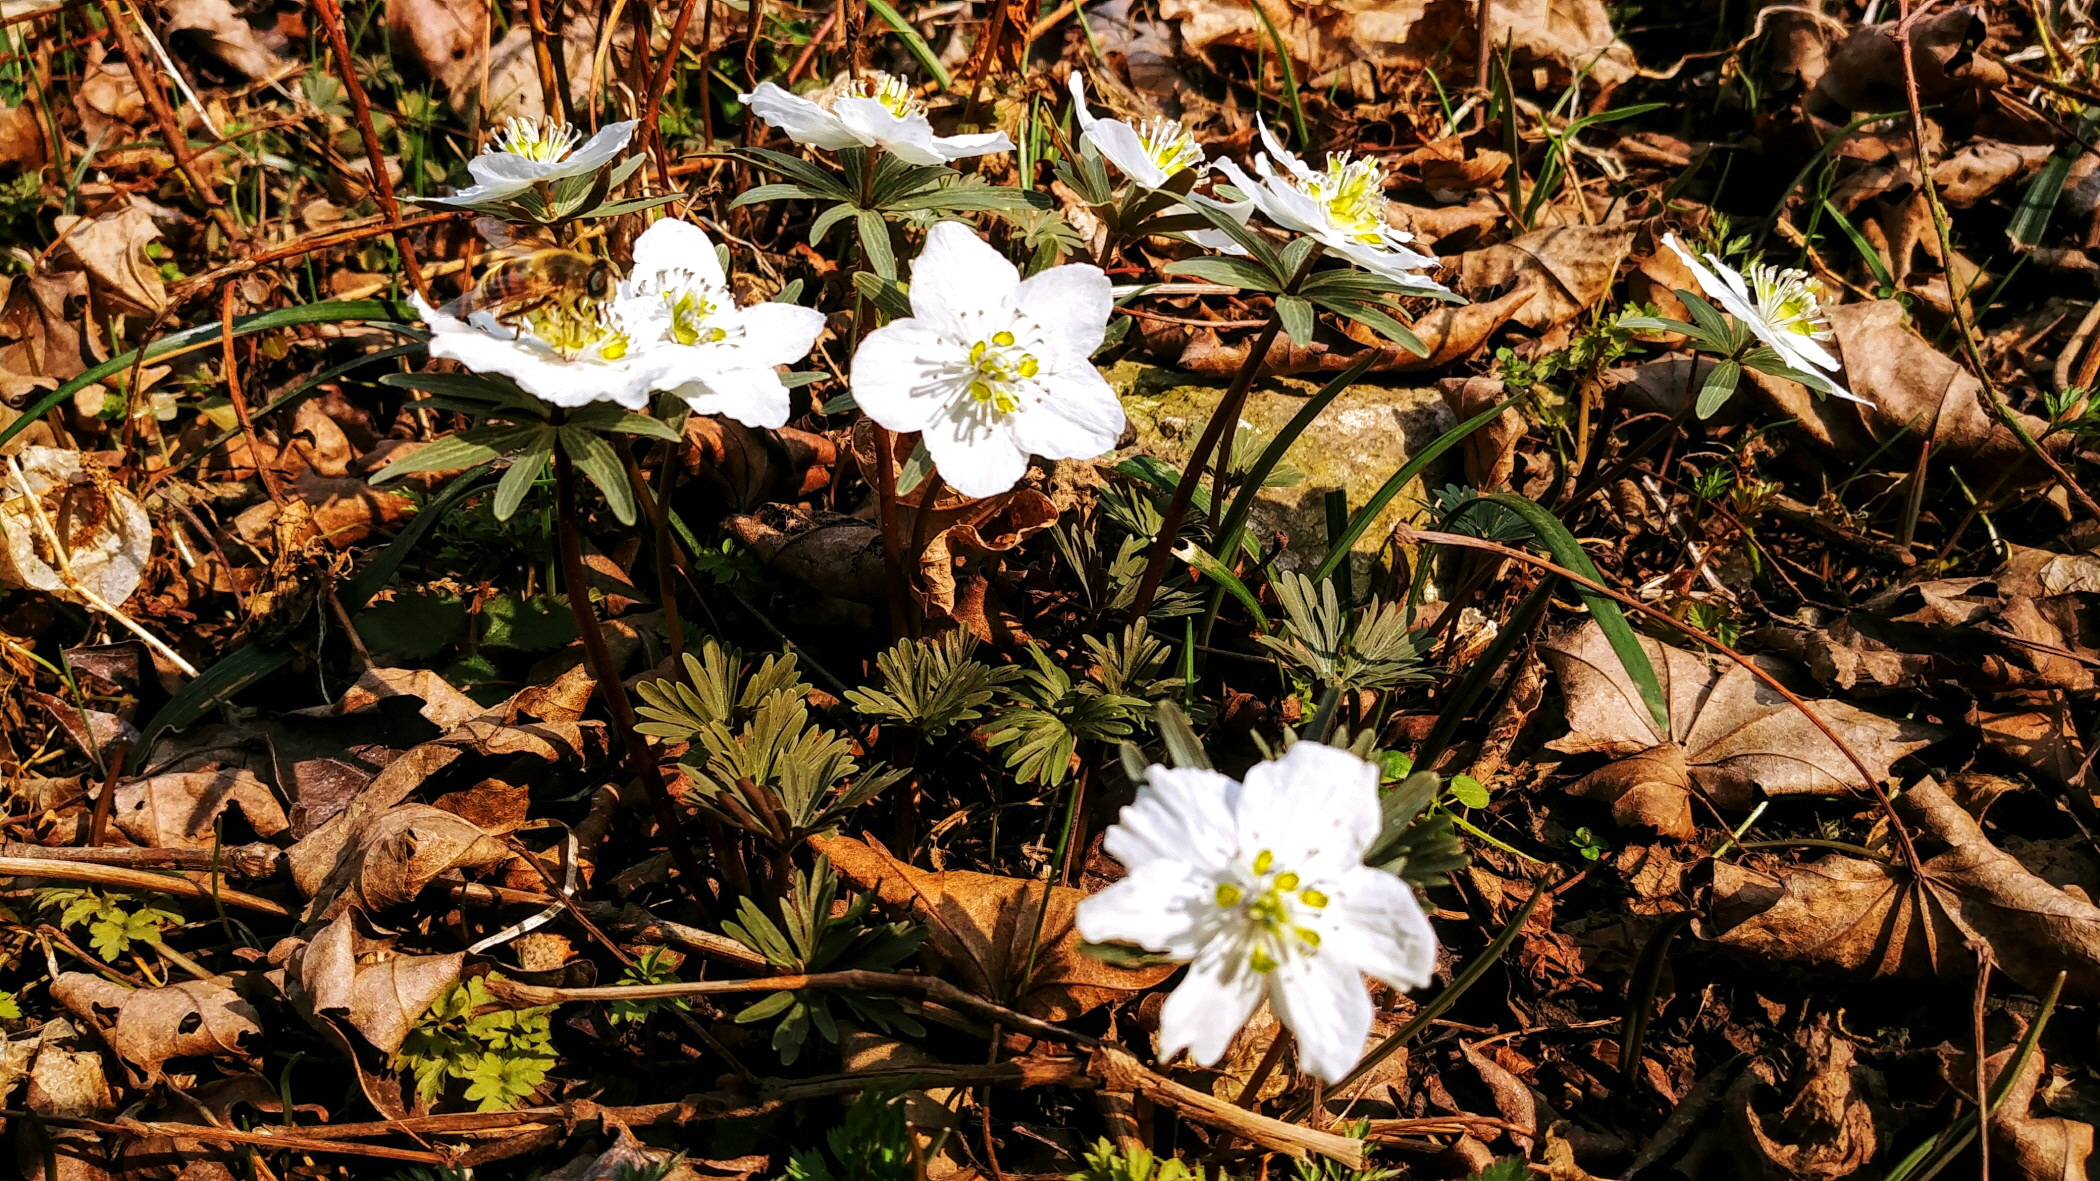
<point x="1874" y="918"/>
<point x="178" y="810"/>
<point x="984" y="926"/>
<point x="150" y="1026"/>
<point x="1732" y="735"/>
<point x="1828" y="1129"/>
<point x="2039" y="1148"/>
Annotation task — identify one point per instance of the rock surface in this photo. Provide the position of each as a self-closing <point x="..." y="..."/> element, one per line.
<point x="1356" y="444"/>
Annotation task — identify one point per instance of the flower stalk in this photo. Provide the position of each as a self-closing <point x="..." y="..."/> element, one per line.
<point x="598" y="656"/>
<point x="1214" y="434"/>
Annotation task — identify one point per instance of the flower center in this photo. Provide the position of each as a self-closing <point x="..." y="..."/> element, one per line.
<point x="1273" y="906"/>
<point x="690" y="311"/>
<point x="1790" y="301"/>
<point x="1169" y="145"/>
<point x="1353" y="194"/>
<point x="575" y="329"/>
<point x="997" y="367"/>
<point x="542" y="141"/>
<point x="894" y="93"/>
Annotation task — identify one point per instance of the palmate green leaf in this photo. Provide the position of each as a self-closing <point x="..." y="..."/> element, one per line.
<point x="775" y="192"/>
<point x="1232" y="272"/>
<point x="1720" y="385"/>
<point x="1378" y="320"/>
<point x="974" y="196"/>
<point x="601" y="416"/>
<point x="831" y="216"/>
<point x="889" y="296"/>
<point x="523" y="473"/>
<point x="595" y="458"/>
<point x="462" y="450"/>
<point x="875" y="243"/>
<point x="1297" y="316"/>
<point x="821" y="184"/>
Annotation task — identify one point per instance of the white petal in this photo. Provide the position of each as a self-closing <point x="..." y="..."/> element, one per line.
<point x="1373" y="921"/>
<point x="754" y="397"/>
<point x="1156" y="907"/>
<point x="910" y="138"/>
<point x="599" y="150"/>
<point x="804" y="121"/>
<point x="1734" y="302"/>
<point x="963" y="147"/>
<point x="1078" y="84"/>
<point x="671" y="246"/>
<point x="1119" y="143"/>
<point x="1323" y="1001"/>
<point x="1071" y="304"/>
<point x="1278" y="152"/>
<point x="777" y="333"/>
<point x="1213" y="1001"/>
<point x="959" y="278"/>
<point x="975" y="461"/>
<point x="893" y="377"/>
<point x="1400" y="266"/>
<point x="538" y="370"/>
<point x="1179" y="815"/>
<point x="1076" y="416"/>
<point x="1315" y="805"/>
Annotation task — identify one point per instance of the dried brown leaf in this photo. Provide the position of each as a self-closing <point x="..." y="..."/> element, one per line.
<point x="149" y="1026"/>
<point x="177" y="810"/>
<point x="984" y="926"/>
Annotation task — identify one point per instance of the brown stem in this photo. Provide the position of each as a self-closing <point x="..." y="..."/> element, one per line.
<point x="1251" y="1093"/>
<point x="657" y="504"/>
<point x="1227" y="414"/>
<point x="892" y="538"/>
<point x="99" y="824"/>
<point x="240" y="401"/>
<point x="148" y="82"/>
<point x="640" y="763"/>
<point x="331" y="14"/>
<point x="554" y="97"/>
<point x="660" y="81"/>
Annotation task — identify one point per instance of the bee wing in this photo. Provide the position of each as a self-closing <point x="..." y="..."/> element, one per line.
<point x="505" y="238"/>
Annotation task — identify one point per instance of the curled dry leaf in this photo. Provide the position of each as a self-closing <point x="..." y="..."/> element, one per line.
<point x="343" y="975"/>
<point x="753" y="467"/>
<point x="984" y="926"/>
<point x="2037" y="1147"/>
<point x="217" y="29"/>
<point x="835" y="553"/>
<point x="179" y="810"/>
<point x="1827" y="1130"/>
<point x="106" y="534"/>
<point x="1730" y="735"/>
<point x="1993" y="634"/>
<point x="448" y="38"/>
<point x="149" y="1026"/>
<point x="40" y="334"/>
<point x="1491" y="452"/>
<point x="399" y="853"/>
<point x="1869" y="917"/>
<point x="442" y="705"/>
<point x="112" y="248"/>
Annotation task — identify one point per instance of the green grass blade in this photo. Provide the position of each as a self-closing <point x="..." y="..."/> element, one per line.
<point x="1565" y="550"/>
<point x="913" y="42"/>
<point x="328" y="312"/>
<point x="1363" y="517"/>
<point x="1290" y="76"/>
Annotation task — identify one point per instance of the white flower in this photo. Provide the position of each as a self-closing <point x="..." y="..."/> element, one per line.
<point x="1262" y="888"/>
<point x="878" y="110"/>
<point x="1342" y="207"/>
<point x="991" y="367"/>
<point x="693" y="339"/>
<point x="529" y="153"/>
<point x="1784" y="308"/>
<point x="564" y="354"/>
<point x="1150" y="154"/>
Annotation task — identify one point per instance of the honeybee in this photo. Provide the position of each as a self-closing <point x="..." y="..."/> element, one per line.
<point x="532" y="274"/>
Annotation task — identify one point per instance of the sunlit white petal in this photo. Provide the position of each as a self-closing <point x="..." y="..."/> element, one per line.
<point x="1782" y="308"/>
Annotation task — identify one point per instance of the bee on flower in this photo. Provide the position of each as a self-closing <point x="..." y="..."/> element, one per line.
<point x="1260" y="887"/>
<point x="874" y="110"/>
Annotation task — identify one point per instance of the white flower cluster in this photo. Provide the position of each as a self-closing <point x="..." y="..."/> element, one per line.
<point x="673" y="325"/>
